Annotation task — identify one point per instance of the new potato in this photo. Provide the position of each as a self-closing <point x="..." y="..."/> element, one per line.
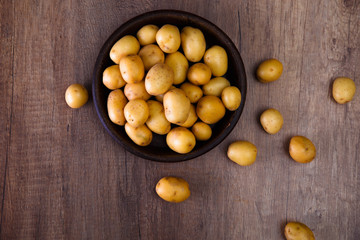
<point x="193" y="92"/>
<point x="115" y="106"/>
<point x="157" y="121"/>
<point x="173" y="189"/>
<point x="298" y="231"/>
<point x="242" y="152"/>
<point x="231" y="97"/>
<point x="136" y="112"/>
<point x="202" y="131"/>
<point x="168" y="38"/>
<point x="193" y="43"/>
<point x="76" y="95"/>
<point x="141" y="135"/>
<point x="215" y="86"/>
<point x="112" y="78"/>
<point x="180" y="140"/>
<point x="217" y="59"/>
<point x="127" y="45"/>
<point x="301" y="149"/>
<point x="147" y="34"/>
<point x="191" y="119"/>
<point x="210" y="109"/>
<point x="179" y="64"/>
<point x="343" y="90"/>
<point x="136" y="90"/>
<point x="150" y="55"/>
<point x="199" y="74"/>
<point x="269" y="70"/>
<point x="132" y="68"/>
<point x="177" y="106"/>
<point x="159" y="79"/>
<point x="271" y="120"/>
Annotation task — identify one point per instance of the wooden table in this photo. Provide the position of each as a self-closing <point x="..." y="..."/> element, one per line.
<point x="64" y="177"/>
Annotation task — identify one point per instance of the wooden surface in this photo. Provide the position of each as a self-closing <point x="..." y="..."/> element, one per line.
<point x="64" y="177"/>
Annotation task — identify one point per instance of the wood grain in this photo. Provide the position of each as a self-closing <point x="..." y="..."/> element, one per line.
<point x="63" y="177"/>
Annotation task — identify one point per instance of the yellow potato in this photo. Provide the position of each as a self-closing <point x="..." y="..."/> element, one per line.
<point x="173" y="189"/>
<point x="136" y="90"/>
<point x="301" y="149"/>
<point x="242" y="152"/>
<point x="147" y="34"/>
<point x="159" y="79"/>
<point x="199" y="74"/>
<point x="127" y="45"/>
<point x="298" y="231"/>
<point x="112" y="78"/>
<point x="210" y="109"/>
<point x="177" y="106"/>
<point x="136" y="112"/>
<point x="193" y="92"/>
<point x="271" y="120"/>
<point x="343" y="90"/>
<point x="231" y="97"/>
<point x="180" y="140"/>
<point x="76" y="95"/>
<point x="168" y="38"/>
<point x="202" y="131"/>
<point x="150" y="55"/>
<point x="269" y="70"/>
<point x="217" y="59"/>
<point x="157" y="121"/>
<point x="215" y="86"/>
<point x="141" y="135"/>
<point x="160" y="97"/>
<point x="193" y="43"/>
<point x="115" y="106"/>
<point x="191" y="118"/>
<point x="132" y="68"/>
<point x="179" y="64"/>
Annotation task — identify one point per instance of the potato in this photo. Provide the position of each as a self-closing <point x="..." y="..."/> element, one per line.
<point x="193" y="92"/>
<point x="147" y="34"/>
<point x="127" y="45"/>
<point x="136" y="90"/>
<point x="177" y="106"/>
<point x="150" y="55"/>
<point x="210" y="109"/>
<point x="180" y="140"/>
<point x="269" y="70"/>
<point x="202" y="131"/>
<point x="343" y="90"/>
<point x="301" y="149"/>
<point x="115" y="106"/>
<point x="193" y="43"/>
<point x="298" y="231"/>
<point x="215" y="86"/>
<point x="217" y="59"/>
<point x="141" y="135"/>
<point x="76" y="95"/>
<point x="136" y="112"/>
<point x="157" y="121"/>
<point x="271" y="120"/>
<point x="173" y="189"/>
<point x="112" y="78"/>
<point x="191" y="119"/>
<point x="231" y="97"/>
<point x="199" y="74"/>
<point x="242" y="152"/>
<point x="160" y="97"/>
<point x="132" y="68"/>
<point x="168" y="38"/>
<point x="159" y="79"/>
<point x="179" y="64"/>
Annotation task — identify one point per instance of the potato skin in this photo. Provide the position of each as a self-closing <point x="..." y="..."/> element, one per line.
<point x="173" y="189"/>
<point x="115" y="106"/>
<point x="76" y="95"/>
<point x="343" y="90"/>
<point x="141" y="135"/>
<point x="180" y="140"/>
<point x="132" y="68"/>
<point x="298" y="231"/>
<point x="193" y="92"/>
<point x="242" y="152"/>
<point x="269" y="70"/>
<point x="177" y="106"/>
<point x="271" y="120"/>
<point x="159" y="79"/>
<point x="193" y="43"/>
<point x="201" y="131"/>
<point x="231" y="97"/>
<point x="216" y="58"/>
<point x="147" y="34"/>
<point x="179" y="64"/>
<point x="112" y="78"/>
<point x="215" y="86"/>
<point x="199" y="74"/>
<point x="126" y="45"/>
<point x="150" y="55"/>
<point x="210" y="109"/>
<point x="136" y="90"/>
<point x="136" y="112"/>
<point x="168" y="38"/>
<point x="301" y="149"/>
<point x="157" y="121"/>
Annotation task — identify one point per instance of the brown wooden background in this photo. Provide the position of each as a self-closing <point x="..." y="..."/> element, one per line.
<point x="64" y="177"/>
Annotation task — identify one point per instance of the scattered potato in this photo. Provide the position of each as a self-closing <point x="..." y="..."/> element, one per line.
<point x="179" y="64"/>
<point x="343" y="90"/>
<point x="136" y="112"/>
<point x="199" y="74"/>
<point x="147" y="34"/>
<point x="298" y="231"/>
<point x="180" y="140"/>
<point x="168" y="38"/>
<point x="132" y="68"/>
<point x="215" y="86"/>
<point x="159" y="79"/>
<point x="217" y="59"/>
<point x="127" y="45"/>
<point x="136" y="90"/>
<point x="301" y="149"/>
<point x="271" y="120"/>
<point x="269" y="70"/>
<point x="210" y="109"/>
<point x="157" y="121"/>
<point x="177" y="106"/>
<point x="231" y="97"/>
<point x="173" y="189"/>
<point x="141" y="135"/>
<point x="242" y="152"/>
<point x="202" y="131"/>
<point x="112" y="78"/>
<point x="150" y="55"/>
<point x="193" y="92"/>
<point x="193" y="43"/>
<point x="115" y="105"/>
<point x="76" y="95"/>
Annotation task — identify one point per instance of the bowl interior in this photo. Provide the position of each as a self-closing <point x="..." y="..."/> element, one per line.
<point x="158" y="149"/>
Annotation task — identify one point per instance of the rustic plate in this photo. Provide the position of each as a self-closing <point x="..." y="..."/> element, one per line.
<point x="158" y="150"/>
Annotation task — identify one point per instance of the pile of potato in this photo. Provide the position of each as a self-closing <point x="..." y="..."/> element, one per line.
<point x="166" y="82"/>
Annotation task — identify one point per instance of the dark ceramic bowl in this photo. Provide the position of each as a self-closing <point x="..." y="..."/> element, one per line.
<point x="158" y="149"/>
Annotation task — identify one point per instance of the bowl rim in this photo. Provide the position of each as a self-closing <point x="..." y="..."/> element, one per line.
<point x="178" y="157"/>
